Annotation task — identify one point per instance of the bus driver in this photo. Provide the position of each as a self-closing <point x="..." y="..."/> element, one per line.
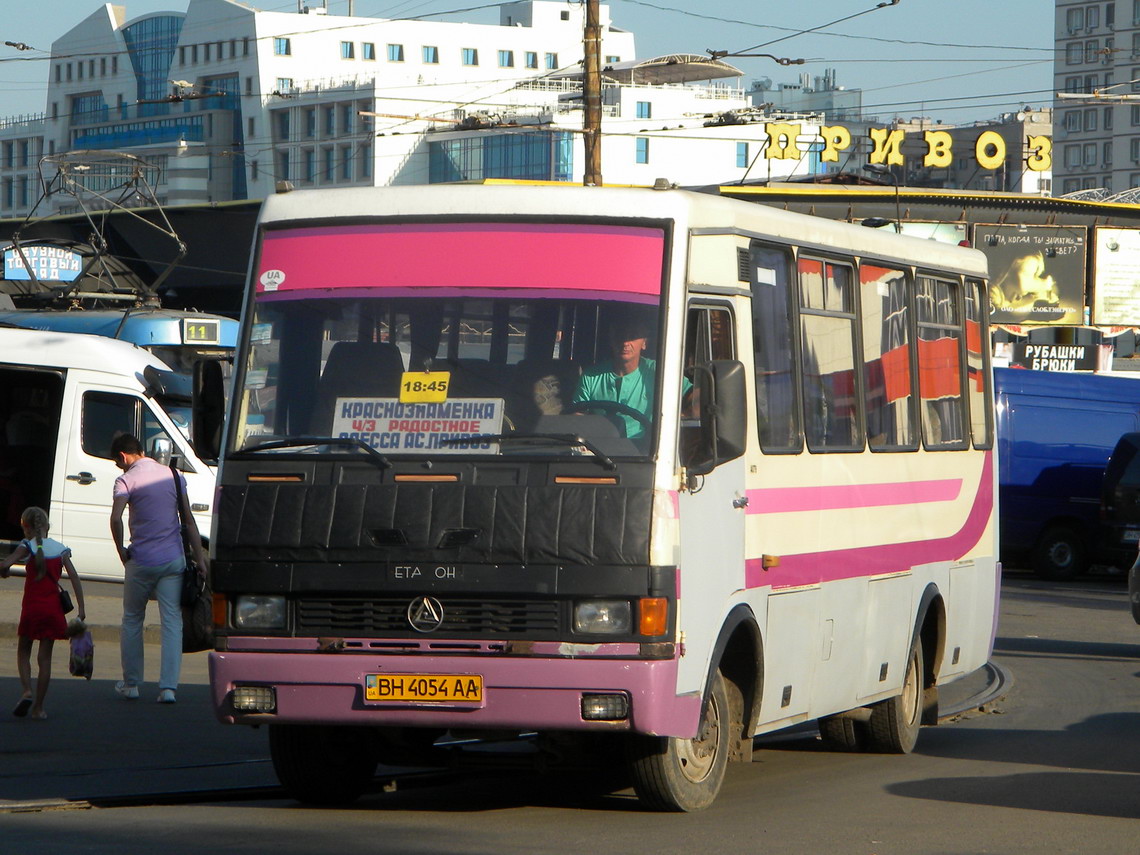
<point x="629" y="378"/>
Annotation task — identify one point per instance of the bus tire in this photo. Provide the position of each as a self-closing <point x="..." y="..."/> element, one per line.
<point x="320" y="764"/>
<point x="843" y="733"/>
<point x="1060" y="554"/>
<point x="672" y="774"/>
<point x="895" y="722"/>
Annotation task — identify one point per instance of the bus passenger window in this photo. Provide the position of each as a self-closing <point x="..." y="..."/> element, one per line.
<point x="827" y="356"/>
<point x="977" y="378"/>
<point x="773" y="337"/>
<point x="888" y="389"/>
<point x="940" y="375"/>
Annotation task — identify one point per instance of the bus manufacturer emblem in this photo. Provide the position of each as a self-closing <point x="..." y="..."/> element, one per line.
<point x="425" y="614"/>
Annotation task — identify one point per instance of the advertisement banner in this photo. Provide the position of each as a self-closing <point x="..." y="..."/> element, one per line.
<point x="1037" y="273"/>
<point x="1116" y="276"/>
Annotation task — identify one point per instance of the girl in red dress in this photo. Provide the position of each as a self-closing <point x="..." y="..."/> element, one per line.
<point x="41" y="615"/>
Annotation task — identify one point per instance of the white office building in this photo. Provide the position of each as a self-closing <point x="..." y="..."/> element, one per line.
<point x="225" y="102"/>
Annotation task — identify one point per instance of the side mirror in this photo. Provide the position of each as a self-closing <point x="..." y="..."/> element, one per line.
<point x="162" y="449"/>
<point x="209" y="404"/>
<point x="723" y="425"/>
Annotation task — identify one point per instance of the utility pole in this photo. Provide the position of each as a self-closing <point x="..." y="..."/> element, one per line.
<point x="592" y="96"/>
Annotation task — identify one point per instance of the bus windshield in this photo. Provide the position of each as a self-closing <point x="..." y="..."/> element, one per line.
<point x="453" y="339"/>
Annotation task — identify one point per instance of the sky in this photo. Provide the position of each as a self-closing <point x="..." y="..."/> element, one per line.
<point x="966" y="61"/>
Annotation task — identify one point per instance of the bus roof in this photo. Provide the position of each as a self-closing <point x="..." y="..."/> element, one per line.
<point x="697" y="211"/>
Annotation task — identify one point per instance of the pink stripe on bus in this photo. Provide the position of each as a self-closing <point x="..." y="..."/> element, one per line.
<point x="813" y="568"/>
<point x="776" y="500"/>
<point x="612" y="259"/>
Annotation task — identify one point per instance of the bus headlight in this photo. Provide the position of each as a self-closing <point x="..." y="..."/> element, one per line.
<point x="259" y="611"/>
<point x="603" y="617"/>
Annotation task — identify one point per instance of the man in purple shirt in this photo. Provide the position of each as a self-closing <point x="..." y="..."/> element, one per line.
<point x="153" y="563"/>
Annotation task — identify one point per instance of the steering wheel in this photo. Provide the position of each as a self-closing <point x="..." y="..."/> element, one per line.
<point x="612" y="408"/>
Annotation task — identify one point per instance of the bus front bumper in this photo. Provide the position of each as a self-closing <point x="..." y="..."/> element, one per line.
<point x="518" y="693"/>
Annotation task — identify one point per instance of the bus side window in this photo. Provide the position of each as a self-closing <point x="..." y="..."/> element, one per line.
<point x="708" y="336"/>
<point x="771" y="273"/>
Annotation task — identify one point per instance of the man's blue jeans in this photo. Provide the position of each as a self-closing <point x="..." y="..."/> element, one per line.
<point x="164" y="583"/>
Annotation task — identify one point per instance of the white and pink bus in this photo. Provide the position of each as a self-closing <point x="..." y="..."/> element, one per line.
<point x="639" y="474"/>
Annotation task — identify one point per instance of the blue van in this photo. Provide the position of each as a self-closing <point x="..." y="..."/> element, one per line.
<point x="1055" y="433"/>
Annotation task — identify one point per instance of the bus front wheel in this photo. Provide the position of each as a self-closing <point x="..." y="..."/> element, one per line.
<point x="895" y="722"/>
<point x="672" y="774"/>
<point x="322" y="765"/>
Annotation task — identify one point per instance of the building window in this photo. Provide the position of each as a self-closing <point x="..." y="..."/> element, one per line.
<point x="79" y="70"/>
<point x="283" y="125"/>
<point x="346" y="115"/>
<point x="506" y="59"/>
<point x="347" y="50"/>
<point x="1090" y="154"/>
<point x="1074" y="53"/>
<point x="1090" y="119"/>
<point x="552" y="60"/>
<point x="742" y="155"/>
<point x="1073" y="120"/>
<point x="395" y="53"/>
<point x="284" y="84"/>
<point x="1092" y="17"/>
<point x="330" y="164"/>
<point x="245" y="46"/>
<point x="1092" y="48"/>
<point x="283" y="165"/>
<point x="1075" y="20"/>
<point x="330" y="121"/>
<point x="470" y="56"/>
<point x="1135" y="115"/>
<point x="1134" y="150"/>
<point x="1106" y="154"/>
<point x="250" y="125"/>
<point x="644" y="110"/>
<point x="1073" y="156"/>
<point x="642" y="151"/>
<point x="103" y="66"/>
<point x="310" y="123"/>
<point x="430" y="55"/>
<point x="1108" y="118"/>
<point x="206" y="52"/>
<point x="613" y="60"/>
<point x="193" y="54"/>
<point x="58" y="73"/>
<point x="531" y="59"/>
<point x="366" y="161"/>
<point x="249" y="86"/>
<point x="346" y="162"/>
<point x="114" y="65"/>
<point x="368" y="51"/>
<point x="282" y="47"/>
<point x="254" y="170"/>
<point x="310" y="174"/>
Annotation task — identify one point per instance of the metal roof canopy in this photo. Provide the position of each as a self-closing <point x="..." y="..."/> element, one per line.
<point x="668" y="68"/>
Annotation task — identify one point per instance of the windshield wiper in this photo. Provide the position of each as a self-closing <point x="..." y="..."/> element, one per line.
<point x="547" y="438"/>
<point x="302" y="441"/>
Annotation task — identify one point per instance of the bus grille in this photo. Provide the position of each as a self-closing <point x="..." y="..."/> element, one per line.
<point x="389" y="617"/>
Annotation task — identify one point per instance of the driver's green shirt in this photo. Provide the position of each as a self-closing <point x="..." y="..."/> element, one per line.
<point x="636" y="391"/>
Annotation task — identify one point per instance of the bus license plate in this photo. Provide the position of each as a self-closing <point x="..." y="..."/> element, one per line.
<point x="424" y="688"/>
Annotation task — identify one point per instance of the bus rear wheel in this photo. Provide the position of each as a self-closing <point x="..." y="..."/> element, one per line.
<point x="671" y="774"/>
<point x="895" y="722"/>
<point x="322" y="765"/>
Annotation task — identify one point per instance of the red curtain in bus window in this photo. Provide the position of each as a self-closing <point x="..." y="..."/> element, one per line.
<point x="938" y="368"/>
